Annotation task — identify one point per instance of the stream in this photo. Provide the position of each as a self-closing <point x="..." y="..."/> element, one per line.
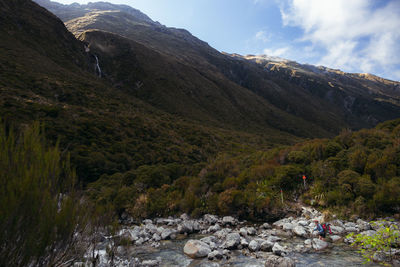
<point x="171" y="254"/>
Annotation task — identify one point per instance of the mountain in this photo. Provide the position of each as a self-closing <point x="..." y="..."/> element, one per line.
<point x="191" y="79"/>
<point x="158" y="122"/>
<point x="48" y="75"/>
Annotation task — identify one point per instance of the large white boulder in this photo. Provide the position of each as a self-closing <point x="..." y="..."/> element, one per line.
<point x="318" y="244"/>
<point x="232" y="240"/>
<point x="196" y="249"/>
<point x="300" y="231"/>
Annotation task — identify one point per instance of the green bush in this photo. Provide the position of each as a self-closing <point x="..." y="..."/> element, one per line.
<point x="40" y="215"/>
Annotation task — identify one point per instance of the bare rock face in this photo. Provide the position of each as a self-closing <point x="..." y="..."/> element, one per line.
<point x="277" y="261"/>
<point x="196" y="249"/>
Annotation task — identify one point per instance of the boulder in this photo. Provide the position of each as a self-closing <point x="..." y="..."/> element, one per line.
<point x="196" y="249"/>
<point x="185" y="227"/>
<point x="308" y="242"/>
<point x="266" y="246"/>
<point x="303" y="223"/>
<point x="214" y="228"/>
<point x="281" y="222"/>
<point x="318" y="244"/>
<point x="244" y="243"/>
<point x="287" y="226"/>
<point x="209" y="239"/>
<point x="337" y="230"/>
<point x="300" y="231"/>
<point x="151" y="263"/>
<point x="265" y="226"/>
<point x="156" y="237"/>
<point x="369" y="233"/>
<point x="228" y="220"/>
<point x="210" y="219"/>
<point x="147" y="221"/>
<point x="274" y="239"/>
<point x="166" y="234"/>
<point x="232" y="241"/>
<point x="278" y="249"/>
<point x="184" y="217"/>
<point x="251" y="231"/>
<point x="276" y="261"/>
<point x="254" y="245"/>
<point x="221" y="234"/>
<point x="215" y="254"/>
<point x="243" y="231"/>
<point x="335" y="238"/>
<point x="351" y="229"/>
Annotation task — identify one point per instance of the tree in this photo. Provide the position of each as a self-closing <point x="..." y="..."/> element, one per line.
<point x="40" y="218"/>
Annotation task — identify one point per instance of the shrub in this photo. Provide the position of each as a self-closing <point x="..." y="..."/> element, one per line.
<point x="40" y="216"/>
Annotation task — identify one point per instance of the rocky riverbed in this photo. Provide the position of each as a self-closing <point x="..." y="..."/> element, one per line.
<point x="226" y="241"/>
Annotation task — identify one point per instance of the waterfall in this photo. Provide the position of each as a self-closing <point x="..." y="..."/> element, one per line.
<point x="97" y="68"/>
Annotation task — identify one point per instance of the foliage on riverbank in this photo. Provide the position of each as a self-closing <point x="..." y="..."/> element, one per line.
<point x="355" y="172"/>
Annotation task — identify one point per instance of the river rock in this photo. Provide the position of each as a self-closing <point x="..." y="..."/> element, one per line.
<point x="151" y="263"/>
<point x="210" y="219"/>
<point x="266" y="246"/>
<point x="351" y="229"/>
<point x="287" y="226"/>
<point x="273" y="239"/>
<point x="215" y="254"/>
<point x="335" y="238"/>
<point x="166" y="234"/>
<point x="184" y="217"/>
<point x="228" y="220"/>
<point x="232" y="241"/>
<point x="265" y="226"/>
<point x="303" y="223"/>
<point x="300" y="231"/>
<point x="243" y="232"/>
<point x="185" y="227"/>
<point x="156" y="237"/>
<point x="337" y="230"/>
<point x="147" y="221"/>
<point x="276" y="261"/>
<point x="281" y="222"/>
<point x="363" y="225"/>
<point x="251" y="231"/>
<point x="214" y="228"/>
<point x="196" y="249"/>
<point x="369" y="233"/>
<point x="278" y="249"/>
<point x="221" y="234"/>
<point x="209" y="239"/>
<point x="254" y="245"/>
<point x="318" y="244"/>
<point x="244" y="243"/>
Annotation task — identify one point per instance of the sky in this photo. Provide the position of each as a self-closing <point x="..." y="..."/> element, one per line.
<point x="352" y="35"/>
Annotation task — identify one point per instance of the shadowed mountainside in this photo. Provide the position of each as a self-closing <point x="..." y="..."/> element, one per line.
<point x="255" y="93"/>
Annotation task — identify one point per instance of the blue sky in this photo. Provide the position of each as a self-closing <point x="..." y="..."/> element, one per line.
<point x="351" y="35"/>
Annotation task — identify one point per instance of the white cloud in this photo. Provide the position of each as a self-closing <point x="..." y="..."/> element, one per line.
<point x="355" y="35"/>
<point x="262" y="36"/>
<point x="279" y="52"/>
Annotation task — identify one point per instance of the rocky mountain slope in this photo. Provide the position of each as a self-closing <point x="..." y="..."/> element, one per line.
<point x="258" y="93"/>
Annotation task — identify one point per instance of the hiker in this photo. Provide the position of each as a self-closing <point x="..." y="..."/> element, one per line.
<point x="322" y="229"/>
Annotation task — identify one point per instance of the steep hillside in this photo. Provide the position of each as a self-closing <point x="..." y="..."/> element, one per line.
<point x="48" y="75"/>
<point x="290" y="97"/>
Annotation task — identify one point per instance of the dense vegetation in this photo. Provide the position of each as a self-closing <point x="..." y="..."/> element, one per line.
<point x="41" y="218"/>
<point x="353" y="173"/>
